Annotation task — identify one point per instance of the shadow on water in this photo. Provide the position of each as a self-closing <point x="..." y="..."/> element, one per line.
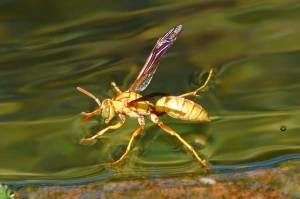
<point x="253" y="97"/>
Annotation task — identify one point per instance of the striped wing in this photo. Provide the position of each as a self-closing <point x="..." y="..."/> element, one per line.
<point x="149" y="68"/>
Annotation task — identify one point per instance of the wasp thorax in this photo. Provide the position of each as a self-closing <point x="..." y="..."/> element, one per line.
<point x="107" y="110"/>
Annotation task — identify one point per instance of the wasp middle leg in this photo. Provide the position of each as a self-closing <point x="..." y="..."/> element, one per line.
<point x="136" y="133"/>
<point x="167" y="129"/>
<point x="194" y="93"/>
<point x="111" y="127"/>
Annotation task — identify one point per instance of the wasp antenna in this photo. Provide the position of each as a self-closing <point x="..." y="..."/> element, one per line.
<point x="89" y="94"/>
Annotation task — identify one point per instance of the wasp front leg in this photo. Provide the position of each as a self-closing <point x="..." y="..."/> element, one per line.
<point x="111" y="127"/>
<point x="167" y="129"/>
<point x="87" y="116"/>
<point x="114" y="85"/>
<point x="90" y="113"/>
<point x="136" y="133"/>
<point x="194" y="93"/>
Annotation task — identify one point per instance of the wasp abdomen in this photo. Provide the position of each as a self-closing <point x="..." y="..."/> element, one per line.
<point x="181" y="108"/>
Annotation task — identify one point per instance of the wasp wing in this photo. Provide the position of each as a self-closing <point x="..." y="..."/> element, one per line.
<point x="146" y="98"/>
<point x="151" y="64"/>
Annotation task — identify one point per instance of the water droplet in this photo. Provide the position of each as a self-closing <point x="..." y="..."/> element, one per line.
<point x="283" y="128"/>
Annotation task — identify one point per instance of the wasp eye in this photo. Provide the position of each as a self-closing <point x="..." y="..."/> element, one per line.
<point x="105" y="112"/>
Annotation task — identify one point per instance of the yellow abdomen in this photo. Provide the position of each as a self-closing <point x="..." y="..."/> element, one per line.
<point x="181" y="108"/>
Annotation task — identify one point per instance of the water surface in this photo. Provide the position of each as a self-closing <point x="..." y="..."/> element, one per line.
<point x="47" y="48"/>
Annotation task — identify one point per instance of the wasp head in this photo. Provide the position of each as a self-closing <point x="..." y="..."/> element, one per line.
<point x="107" y="110"/>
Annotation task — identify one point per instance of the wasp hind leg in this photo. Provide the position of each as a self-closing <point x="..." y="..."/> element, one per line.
<point x="111" y="127"/>
<point x="194" y="93"/>
<point x="136" y="133"/>
<point x="167" y="129"/>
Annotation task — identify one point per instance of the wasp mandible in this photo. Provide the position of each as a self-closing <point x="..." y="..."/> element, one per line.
<point x="131" y="103"/>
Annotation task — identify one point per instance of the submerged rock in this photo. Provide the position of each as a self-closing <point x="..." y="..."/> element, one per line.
<point x="282" y="182"/>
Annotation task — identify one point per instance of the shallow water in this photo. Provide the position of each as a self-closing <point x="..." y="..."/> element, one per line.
<point x="47" y="48"/>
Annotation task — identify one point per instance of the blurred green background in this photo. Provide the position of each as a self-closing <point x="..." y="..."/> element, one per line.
<point x="48" y="47"/>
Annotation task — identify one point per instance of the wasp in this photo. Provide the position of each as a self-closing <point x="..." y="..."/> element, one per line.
<point x="132" y="104"/>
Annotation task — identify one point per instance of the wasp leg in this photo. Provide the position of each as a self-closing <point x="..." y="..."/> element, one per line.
<point x="136" y="133"/>
<point x="194" y="93"/>
<point x="114" y="85"/>
<point x="90" y="113"/>
<point x="111" y="127"/>
<point x="164" y="127"/>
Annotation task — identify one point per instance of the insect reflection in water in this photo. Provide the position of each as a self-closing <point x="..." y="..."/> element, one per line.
<point x="131" y="103"/>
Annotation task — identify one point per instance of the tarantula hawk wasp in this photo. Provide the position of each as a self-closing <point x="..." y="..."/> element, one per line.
<point x="131" y="103"/>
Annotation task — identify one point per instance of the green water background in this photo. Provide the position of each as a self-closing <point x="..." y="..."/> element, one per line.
<point x="47" y="48"/>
